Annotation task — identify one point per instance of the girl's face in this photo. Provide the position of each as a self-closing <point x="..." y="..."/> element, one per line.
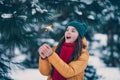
<point x="71" y="34"/>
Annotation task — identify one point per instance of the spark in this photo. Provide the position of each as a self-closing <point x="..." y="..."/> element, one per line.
<point x="49" y="28"/>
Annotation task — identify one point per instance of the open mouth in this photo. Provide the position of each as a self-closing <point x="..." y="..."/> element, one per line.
<point x="68" y="37"/>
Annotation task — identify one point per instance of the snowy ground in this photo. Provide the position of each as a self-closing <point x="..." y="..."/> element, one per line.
<point x="34" y="74"/>
<point x="28" y="74"/>
<point x="106" y="73"/>
<point x="109" y="73"/>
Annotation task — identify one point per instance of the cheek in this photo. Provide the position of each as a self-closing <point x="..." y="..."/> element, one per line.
<point x="75" y="37"/>
<point x="65" y="34"/>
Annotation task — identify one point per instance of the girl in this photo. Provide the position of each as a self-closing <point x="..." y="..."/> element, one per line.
<point x="69" y="59"/>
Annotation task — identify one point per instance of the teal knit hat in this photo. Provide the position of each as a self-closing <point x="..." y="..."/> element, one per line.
<point x="81" y="28"/>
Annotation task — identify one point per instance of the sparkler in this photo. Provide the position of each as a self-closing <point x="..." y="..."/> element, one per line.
<point x="48" y="28"/>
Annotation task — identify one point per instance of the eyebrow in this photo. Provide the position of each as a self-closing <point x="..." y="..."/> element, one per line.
<point x="74" y="28"/>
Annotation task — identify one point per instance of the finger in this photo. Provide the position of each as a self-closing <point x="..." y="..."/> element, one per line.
<point x="44" y="49"/>
<point x="42" y="55"/>
<point x="49" y="52"/>
<point x="43" y="45"/>
<point x="41" y="50"/>
<point x="47" y="46"/>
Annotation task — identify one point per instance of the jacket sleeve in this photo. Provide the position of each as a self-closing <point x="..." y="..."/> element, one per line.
<point x="44" y="67"/>
<point x="71" y="69"/>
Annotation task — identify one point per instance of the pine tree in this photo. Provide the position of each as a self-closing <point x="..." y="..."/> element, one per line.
<point x="22" y="23"/>
<point x="110" y="26"/>
<point x="16" y="17"/>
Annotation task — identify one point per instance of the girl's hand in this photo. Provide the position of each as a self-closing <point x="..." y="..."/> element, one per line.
<point x="45" y="51"/>
<point x="42" y="55"/>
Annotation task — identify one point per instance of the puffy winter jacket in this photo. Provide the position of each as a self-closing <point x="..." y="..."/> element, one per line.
<point x="72" y="71"/>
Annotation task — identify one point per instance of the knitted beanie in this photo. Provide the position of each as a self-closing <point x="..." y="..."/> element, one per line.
<point x="81" y="28"/>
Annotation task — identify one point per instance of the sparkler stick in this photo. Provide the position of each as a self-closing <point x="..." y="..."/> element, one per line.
<point x="48" y="29"/>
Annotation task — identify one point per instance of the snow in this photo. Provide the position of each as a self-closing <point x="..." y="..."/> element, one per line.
<point x="102" y="38"/>
<point x="109" y="73"/>
<point x="106" y="73"/>
<point x="49" y="41"/>
<point x="79" y="12"/>
<point x="94" y="60"/>
<point x="34" y="74"/>
<point x="6" y="15"/>
<point x="30" y="74"/>
<point x="87" y="1"/>
<point x="91" y="17"/>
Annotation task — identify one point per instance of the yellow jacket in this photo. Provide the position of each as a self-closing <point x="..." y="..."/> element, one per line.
<point x="72" y="71"/>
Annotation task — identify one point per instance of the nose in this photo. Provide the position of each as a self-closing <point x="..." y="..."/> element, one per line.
<point x="68" y="32"/>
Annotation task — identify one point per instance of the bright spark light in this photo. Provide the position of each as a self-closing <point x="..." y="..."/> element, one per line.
<point x="48" y="28"/>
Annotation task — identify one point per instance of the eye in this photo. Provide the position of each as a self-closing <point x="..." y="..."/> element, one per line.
<point x="73" y="30"/>
<point x="67" y="29"/>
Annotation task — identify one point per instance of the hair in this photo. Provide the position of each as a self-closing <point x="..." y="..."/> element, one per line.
<point x="77" y="50"/>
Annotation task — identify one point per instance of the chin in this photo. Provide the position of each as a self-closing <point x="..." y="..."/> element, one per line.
<point x="68" y="41"/>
